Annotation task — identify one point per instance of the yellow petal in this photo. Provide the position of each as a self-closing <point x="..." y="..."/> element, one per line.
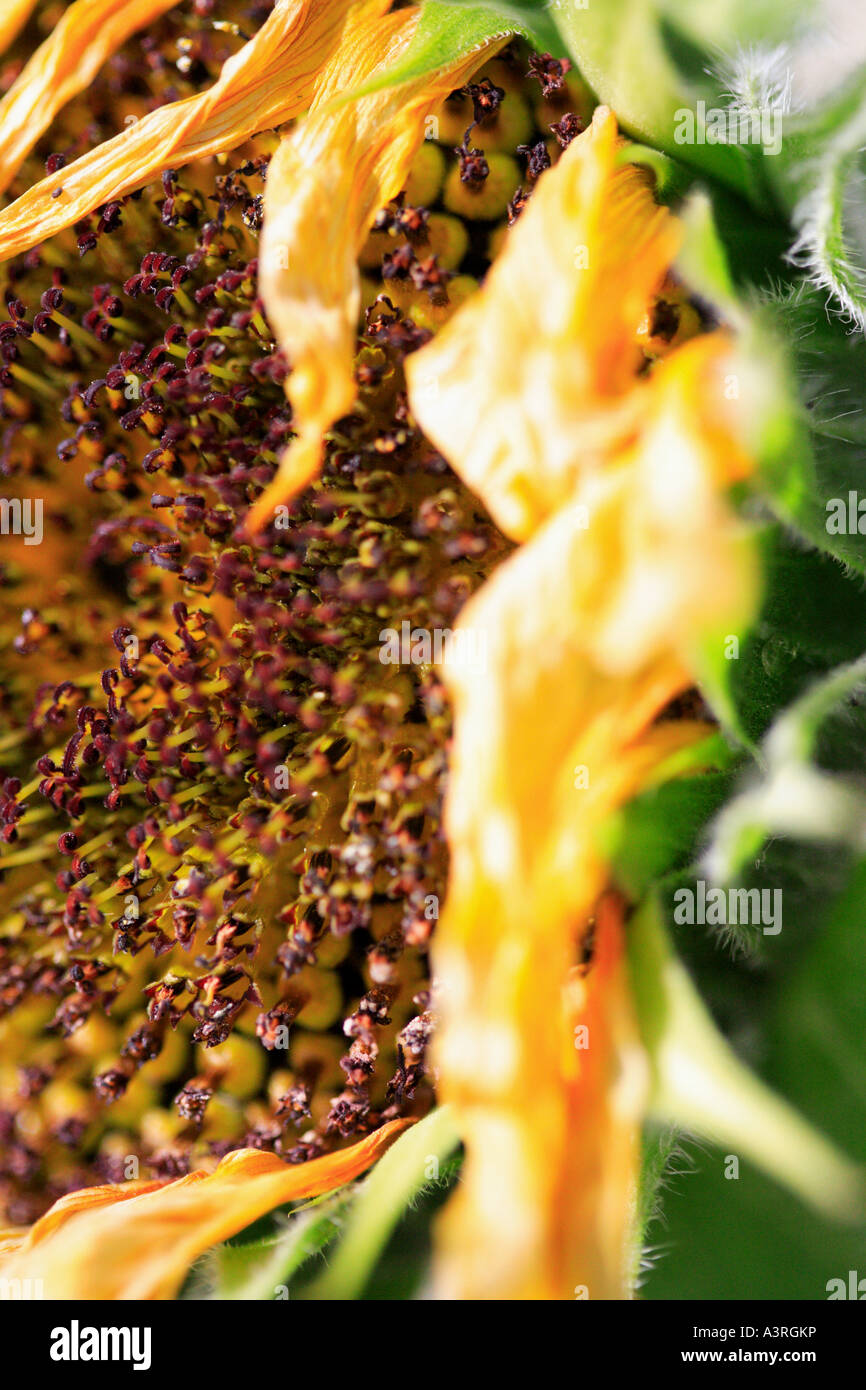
<point x="598" y="1187"/>
<point x="137" y="1240"/>
<point x="681" y="571"/>
<point x="87" y="33"/>
<point x="269" y="80"/>
<point x="533" y="381"/>
<point x="325" y="185"/>
<point x="13" y="16"/>
<point x="552" y="706"/>
<point x="10" y="1239"/>
<point x="632" y="560"/>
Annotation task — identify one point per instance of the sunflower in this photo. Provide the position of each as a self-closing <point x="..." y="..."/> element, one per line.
<point x="389" y="475"/>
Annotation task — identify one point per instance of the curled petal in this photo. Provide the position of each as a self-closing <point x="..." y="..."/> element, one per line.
<point x="270" y="80"/>
<point x="325" y="185"/>
<point x="682" y="569"/>
<point x="578" y="642"/>
<point x="527" y="869"/>
<point x="534" y="380"/>
<point x="137" y="1240"/>
<point x="88" y="32"/>
<point x="632" y="560"/>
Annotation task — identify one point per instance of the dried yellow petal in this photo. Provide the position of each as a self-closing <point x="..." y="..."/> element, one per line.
<point x="325" y="184"/>
<point x="137" y="1240"/>
<point x="533" y="382"/>
<point x="64" y="65"/>
<point x="553" y="735"/>
<point x="550" y="738"/>
<point x="270" y="80"/>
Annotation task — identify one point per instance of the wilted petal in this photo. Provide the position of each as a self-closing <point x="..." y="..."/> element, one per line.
<point x="608" y="1098"/>
<point x="87" y="33"/>
<point x="325" y="185"/>
<point x="270" y="79"/>
<point x="584" y="635"/>
<point x="137" y="1240"/>
<point x="681" y="568"/>
<point x="551" y="736"/>
<point x="534" y="381"/>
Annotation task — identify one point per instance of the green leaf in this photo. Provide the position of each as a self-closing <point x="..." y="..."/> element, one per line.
<point x="819" y="1014"/>
<point x="410" y="1165"/>
<point x="727" y="249"/>
<point x="747" y="683"/>
<point x="793" y="796"/>
<point x="830" y="367"/>
<point x="702" y="260"/>
<point x="660" y="1150"/>
<point x="820" y="177"/>
<point x="671" y="179"/>
<point x="698" y="1083"/>
<point x="404" y="1270"/>
<point x="530" y="18"/>
<point x="448" y="29"/>
<point x="650" y="61"/>
<point x="658" y="830"/>
<point x="742" y="1239"/>
<point x="261" y="1270"/>
<point x="812" y="618"/>
<point x="803" y="1019"/>
<point x="803" y="375"/>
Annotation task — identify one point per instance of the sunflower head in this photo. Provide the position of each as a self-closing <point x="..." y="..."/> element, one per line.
<point x="223" y="856"/>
